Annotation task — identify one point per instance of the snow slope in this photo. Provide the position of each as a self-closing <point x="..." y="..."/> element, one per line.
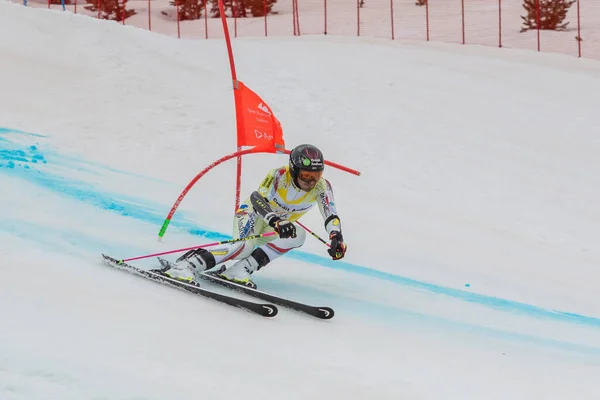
<point x="472" y="268"/>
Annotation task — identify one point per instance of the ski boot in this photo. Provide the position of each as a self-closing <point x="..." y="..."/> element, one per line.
<point x="187" y="267"/>
<point x="240" y="271"/>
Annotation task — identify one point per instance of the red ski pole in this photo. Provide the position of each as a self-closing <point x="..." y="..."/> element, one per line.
<point x="199" y="246"/>
<point x="312" y="233"/>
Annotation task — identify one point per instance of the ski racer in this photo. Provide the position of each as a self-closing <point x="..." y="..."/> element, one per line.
<point x="285" y="195"/>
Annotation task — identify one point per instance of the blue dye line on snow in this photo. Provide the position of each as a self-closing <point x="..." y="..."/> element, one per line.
<point x="20" y="161"/>
<point x="13" y="158"/>
<point x="10" y="131"/>
<point x="489" y="301"/>
<point x="140" y="209"/>
<point x="401" y="316"/>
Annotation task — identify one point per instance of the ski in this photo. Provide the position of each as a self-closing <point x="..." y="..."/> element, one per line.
<point x="265" y="310"/>
<point x="212" y="276"/>
<point x="319" y="312"/>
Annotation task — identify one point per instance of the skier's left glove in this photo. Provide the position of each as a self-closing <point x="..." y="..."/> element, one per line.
<point x="337" y="250"/>
<point x="284" y="228"/>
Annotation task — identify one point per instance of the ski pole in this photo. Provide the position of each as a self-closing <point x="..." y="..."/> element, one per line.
<point x="312" y="233"/>
<point x="197" y="247"/>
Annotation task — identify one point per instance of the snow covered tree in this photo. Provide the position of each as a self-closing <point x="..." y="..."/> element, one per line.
<point x="189" y="9"/>
<point x="243" y="8"/>
<point x="552" y="13"/>
<point x="110" y="9"/>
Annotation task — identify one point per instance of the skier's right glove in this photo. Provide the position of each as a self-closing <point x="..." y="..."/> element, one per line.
<point x="337" y="249"/>
<point x="284" y="228"/>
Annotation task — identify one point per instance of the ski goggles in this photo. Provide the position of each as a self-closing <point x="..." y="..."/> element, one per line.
<point x="309" y="176"/>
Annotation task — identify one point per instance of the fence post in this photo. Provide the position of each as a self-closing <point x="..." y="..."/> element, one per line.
<point x="295" y="18"/>
<point x="325" y="16"/>
<point x="427" y="19"/>
<point x="392" y="17"/>
<point x="462" y="5"/>
<point x="578" y="30"/>
<point x="205" y="20"/>
<point x="265" y="8"/>
<point x="357" y="17"/>
<point x="499" y="23"/>
<point x="538" y="21"/>
<point x="178" y="28"/>
<point x="235" y="14"/>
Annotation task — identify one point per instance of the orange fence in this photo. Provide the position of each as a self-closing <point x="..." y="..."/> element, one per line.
<point x="496" y="23"/>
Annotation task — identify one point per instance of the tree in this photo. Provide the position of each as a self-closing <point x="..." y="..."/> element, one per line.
<point x="189" y="9"/>
<point x="243" y="8"/>
<point x="551" y="14"/>
<point x="110" y="9"/>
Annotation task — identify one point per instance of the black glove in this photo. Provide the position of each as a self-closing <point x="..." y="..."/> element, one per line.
<point x="284" y="228"/>
<point x="337" y="249"/>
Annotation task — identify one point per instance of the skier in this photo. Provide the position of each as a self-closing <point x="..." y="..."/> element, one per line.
<point x="285" y="195"/>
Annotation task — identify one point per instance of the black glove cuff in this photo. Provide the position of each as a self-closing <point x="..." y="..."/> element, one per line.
<point x="337" y="235"/>
<point x="273" y="220"/>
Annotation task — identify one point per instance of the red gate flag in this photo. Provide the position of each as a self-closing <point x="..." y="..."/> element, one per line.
<point x="256" y="124"/>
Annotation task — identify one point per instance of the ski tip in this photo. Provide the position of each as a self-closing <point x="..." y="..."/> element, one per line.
<point x="112" y="259"/>
<point x="165" y="264"/>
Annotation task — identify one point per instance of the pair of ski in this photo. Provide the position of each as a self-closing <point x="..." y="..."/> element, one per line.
<point x="264" y="309"/>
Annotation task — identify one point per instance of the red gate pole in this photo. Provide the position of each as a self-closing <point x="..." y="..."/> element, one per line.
<point x="185" y="191"/>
